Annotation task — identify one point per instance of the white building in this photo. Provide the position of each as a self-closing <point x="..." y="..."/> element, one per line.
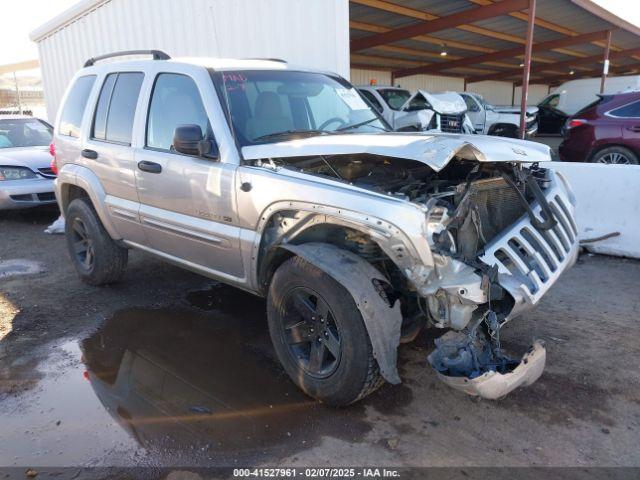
<point x="306" y="32"/>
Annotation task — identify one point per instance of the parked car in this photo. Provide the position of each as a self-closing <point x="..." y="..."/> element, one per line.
<point x="607" y="131"/>
<point x="500" y="121"/>
<point x="284" y="182"/>
<point x="26" y="177"/>
<point x="574" y="95"/>
<point x="421" y="111"/>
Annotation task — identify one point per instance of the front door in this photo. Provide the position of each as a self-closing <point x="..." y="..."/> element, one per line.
<point x="475" y="112"/>
<point x="187" y="202"/>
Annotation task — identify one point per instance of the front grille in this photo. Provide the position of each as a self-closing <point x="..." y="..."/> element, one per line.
<point x="47" y="172"/>
<point x="537" y="257"/>
<point x="46" y="197"/>
<point x="451" y="123"/>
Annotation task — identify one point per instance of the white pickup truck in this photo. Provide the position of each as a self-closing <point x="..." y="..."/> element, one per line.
<point x="502" y="121"/>
<point x="421" y="111"/>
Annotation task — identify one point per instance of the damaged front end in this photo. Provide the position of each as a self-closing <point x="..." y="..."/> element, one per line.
<point x="499" y="243"/>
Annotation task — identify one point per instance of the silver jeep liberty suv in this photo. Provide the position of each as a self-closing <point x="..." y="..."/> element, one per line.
<point x="287" y="183"/>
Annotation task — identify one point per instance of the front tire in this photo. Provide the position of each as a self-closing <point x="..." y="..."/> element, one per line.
<point x="98" y="260"/>
<point x="319" y="335"/>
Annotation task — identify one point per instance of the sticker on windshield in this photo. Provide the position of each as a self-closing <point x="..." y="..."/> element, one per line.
<point x="352" y="99"/>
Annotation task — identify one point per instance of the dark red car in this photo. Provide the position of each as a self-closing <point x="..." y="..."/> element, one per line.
<point x="606" y="131"/>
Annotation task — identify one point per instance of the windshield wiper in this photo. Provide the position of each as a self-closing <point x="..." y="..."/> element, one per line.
<point x="285" y="133"/>
<point x="360" y="124"/>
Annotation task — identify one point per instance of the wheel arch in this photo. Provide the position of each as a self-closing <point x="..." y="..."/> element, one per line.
<point x="76" y="181"/>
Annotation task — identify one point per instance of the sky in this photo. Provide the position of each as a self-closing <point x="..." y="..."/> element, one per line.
<point x="20" y="17"/>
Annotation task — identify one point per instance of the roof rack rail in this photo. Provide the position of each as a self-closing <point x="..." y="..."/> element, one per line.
<point x="268" y="59"/>
<point x="157" y="55"/>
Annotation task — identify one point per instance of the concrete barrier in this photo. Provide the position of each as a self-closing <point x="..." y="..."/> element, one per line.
<point x="608" y="199"/>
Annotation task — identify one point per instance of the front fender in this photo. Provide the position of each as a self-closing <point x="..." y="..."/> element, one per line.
<point x="356" y="275"/>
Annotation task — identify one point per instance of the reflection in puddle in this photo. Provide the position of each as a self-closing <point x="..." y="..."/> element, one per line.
<point x="178" y="381"/>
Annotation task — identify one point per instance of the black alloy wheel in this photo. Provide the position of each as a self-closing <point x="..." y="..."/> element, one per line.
<point x="311" y="332"/>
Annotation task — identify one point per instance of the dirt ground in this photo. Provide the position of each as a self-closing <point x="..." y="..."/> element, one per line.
<point x="168" y="368"/>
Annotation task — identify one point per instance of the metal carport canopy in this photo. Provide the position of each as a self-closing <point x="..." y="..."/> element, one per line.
<point x="487" y="40"/>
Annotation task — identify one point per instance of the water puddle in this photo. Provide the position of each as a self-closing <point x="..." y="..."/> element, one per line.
<point x="171" y="387"/>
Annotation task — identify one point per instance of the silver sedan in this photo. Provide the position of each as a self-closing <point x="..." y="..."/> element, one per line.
<point x="26" y="174"/>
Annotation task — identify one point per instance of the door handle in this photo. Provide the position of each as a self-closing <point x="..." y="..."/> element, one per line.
<point x="90" y="154"/>
<point x="150" y="167"/>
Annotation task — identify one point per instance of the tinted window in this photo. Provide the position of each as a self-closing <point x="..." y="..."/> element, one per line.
<point x="395" y="98"/>
<point x="374" y="101"/>
<point x="632" y="110"/>
<point x="71" y="118"/>
<point x="175" y="101"/>
<point x="24" y="132"/>
<point x="117" y="107"/>
<point x="472" y="106"/>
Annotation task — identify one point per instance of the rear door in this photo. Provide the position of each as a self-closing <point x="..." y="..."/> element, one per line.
<point x="188" y="205"/>
<point x="108" y="152"/>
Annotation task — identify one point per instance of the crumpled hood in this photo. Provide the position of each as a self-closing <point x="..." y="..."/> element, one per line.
<point x="516" y="110"/>
<point x="32" y="157"/>
<point x="444" y="102"/>
<point x="434" y="150"/>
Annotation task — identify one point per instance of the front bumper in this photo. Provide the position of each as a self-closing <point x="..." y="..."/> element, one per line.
<point x="494" y="385"/>
<point x="16" y="194"/>
<point x="532" y="129"/>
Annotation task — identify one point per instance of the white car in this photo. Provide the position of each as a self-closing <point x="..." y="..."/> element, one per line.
<point x="26" y="177"/>
<point x="421" y="111"/>
<point x="502" y="121"/>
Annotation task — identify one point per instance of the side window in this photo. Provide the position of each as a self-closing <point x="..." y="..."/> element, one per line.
<point x="371" y="97"/>
<point x="418" y="103"/>
<point x="175" y="101"/>
<point x="71" y="118"/>
<point x="551" y="101"/>
<point x="116" y="107"/>
<point x="631" y="110"/>
<point x="472" y="106"/>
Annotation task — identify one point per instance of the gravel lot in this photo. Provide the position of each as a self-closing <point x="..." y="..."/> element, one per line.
<point x="168" y="368"/>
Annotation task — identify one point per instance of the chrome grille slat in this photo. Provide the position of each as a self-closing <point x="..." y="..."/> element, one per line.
<point x="563" y="207"/>
<point x="550" y="261"/>
<point x="535" y="258"/>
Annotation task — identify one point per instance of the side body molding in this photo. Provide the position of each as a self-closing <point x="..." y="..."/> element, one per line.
<point x="72" y="174"/>
<point x="356" y="275"/>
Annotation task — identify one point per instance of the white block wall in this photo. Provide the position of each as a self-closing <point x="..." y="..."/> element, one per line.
<point x="432" y="83"/>
<point x="314" y="33"/>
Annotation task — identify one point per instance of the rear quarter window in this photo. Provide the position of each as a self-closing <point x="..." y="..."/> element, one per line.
<point x="71" y="117"/>
<point x="631" y="110"/>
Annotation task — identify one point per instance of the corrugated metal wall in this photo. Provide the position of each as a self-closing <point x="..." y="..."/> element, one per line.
<point x="431" y="83"/>
<point x="361" y="76"/>
<point x="306" y="32"/>
<point x="494" y="92"/>
<point x="536" y="93"/>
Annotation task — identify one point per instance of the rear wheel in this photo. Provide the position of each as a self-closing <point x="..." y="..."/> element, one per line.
<point x="616" y="156"/>
<point x="96" y="257"/>
<point x="319" y="335"/>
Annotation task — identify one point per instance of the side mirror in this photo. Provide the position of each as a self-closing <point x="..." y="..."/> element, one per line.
<point x="474" y="108"/>
<point x="188" y="139"/>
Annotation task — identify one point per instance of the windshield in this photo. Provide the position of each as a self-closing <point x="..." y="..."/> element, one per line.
<point x="269" y="106"/>
<point x="394" y="97"/>
<point x="24" y="132"/>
